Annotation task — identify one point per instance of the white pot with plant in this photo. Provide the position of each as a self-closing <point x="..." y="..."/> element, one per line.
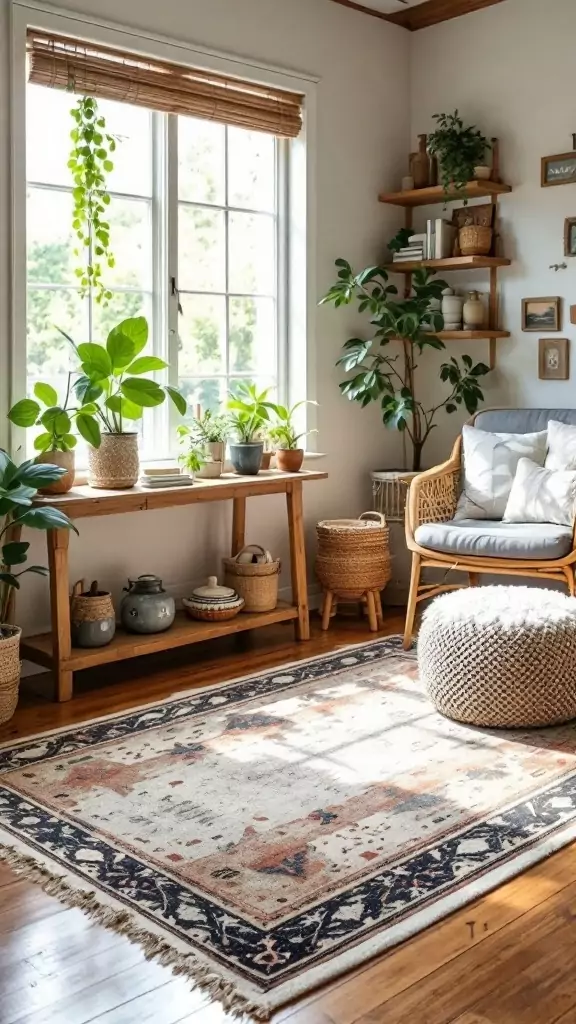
<point x="249" y="417"/>
<point x="113" y="394"/>
<point x="204" y="440"/>
<point x="460" y="151"/>
<point x="289" y="454"/>
<point x="55" y="442"/>
<point x="19" y="486"/>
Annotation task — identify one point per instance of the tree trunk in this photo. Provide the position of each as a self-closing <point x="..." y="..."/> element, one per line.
<point x="417" y="456"/>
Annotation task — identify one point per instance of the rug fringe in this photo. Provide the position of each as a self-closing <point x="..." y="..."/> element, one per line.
<point x="125" y="923"/>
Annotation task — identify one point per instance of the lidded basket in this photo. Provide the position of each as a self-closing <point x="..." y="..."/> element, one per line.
<point x="212" y="603"/>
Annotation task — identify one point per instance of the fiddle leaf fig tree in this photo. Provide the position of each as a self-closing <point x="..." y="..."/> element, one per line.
<point x="383" y="367"/>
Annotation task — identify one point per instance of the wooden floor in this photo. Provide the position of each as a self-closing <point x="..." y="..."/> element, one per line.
<point x="510" y="958"/>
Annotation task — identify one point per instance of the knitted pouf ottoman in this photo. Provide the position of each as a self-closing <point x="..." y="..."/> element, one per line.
<point x="502" y="657"/>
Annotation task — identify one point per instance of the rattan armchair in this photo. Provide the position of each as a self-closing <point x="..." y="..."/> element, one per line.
<point x="433" y="498"/>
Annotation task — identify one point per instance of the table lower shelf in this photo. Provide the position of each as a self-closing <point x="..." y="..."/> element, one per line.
<point x="39" y="649"/>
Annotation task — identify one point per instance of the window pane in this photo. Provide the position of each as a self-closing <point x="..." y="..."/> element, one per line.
<point x="48" y="352"/>
<point x="251" y="169"/>
<point x="131" y="128"/>
<point x="202" y="335"/>
<point x="253" y="336"/>
<point x="121" y="306"/>
<point x="209" y="394"/>
<point x="51" y="241"/>
<point x="252" y="253"/>
<point x="201" y="156"/>
<point x="201" y="250"/>
<point x="48" y="127"/>
<point x="131" y="243"/>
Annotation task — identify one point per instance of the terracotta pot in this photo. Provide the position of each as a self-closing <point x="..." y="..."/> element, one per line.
<point x="114" y="465"/>
<point x="266" y="457"/>
<point x="289" y="460"/>
<point x="67" y="461"/>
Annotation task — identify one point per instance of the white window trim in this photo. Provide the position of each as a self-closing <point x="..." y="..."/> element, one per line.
<point x="299" y="189"/>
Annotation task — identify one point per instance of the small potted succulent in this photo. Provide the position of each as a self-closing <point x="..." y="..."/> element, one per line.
<point x="289" y="454"/>
<point x="113" y="392"/>
<point x="55" y="443"/>
<point x="460" y="151"/>
<point x="206" y="441"/>
<point x="249" y="417"/>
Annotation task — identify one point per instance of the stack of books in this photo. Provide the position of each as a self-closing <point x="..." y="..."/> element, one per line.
<point x="169" y="476"/>
<point x="414" y="251"/>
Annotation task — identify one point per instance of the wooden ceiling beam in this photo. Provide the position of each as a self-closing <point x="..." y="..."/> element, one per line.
<point x="431" y="12"/>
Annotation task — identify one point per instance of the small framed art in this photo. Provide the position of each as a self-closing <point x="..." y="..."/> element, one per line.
<point x="541" y="314"/>
<point x="558" y="170"/>
<point x="570" y="236"/>
<point x="554" y="359"/>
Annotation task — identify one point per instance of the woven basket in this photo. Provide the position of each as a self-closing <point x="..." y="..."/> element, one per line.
<point x="475" y="240"/>
<point x="114" y="465"/>
<point x="9" y="674"/>
<point x="353" y="554"/>
<point x="257" y="584"/>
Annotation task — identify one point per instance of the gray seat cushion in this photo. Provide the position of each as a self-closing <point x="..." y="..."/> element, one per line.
<point x="491" y="539"/>
<point x="522" y="421"/>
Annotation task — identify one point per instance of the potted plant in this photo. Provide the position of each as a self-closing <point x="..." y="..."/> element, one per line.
<point x="18" y="488"/>
<point x="191" y="458"/>
<point x="460" y="150"/>
<point x="249" y="416"/>
<point x="207" y="438"/>
<point x="379" y="375"/>
<point x="289" y="455"/>
<point x="56" y="442"/>
<point x="113" y="391"/>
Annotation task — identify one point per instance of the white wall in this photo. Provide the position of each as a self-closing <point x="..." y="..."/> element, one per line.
<point x="509" y="69"/>
<point x="362" y="138"/>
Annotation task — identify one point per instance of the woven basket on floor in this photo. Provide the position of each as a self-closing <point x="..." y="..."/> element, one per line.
<point x="353" y="554"/>
<point x="9" y="674"/>
<point x="256" y="583"/>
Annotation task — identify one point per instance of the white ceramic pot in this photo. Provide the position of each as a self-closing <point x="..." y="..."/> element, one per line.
<point x="452" y="311"/>
<point x="482" y="172"/>
<point x="210" y="470"/>
<point x="473" y="312"/>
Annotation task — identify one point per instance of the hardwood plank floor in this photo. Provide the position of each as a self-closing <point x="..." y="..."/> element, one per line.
<point x="506" y="959"/>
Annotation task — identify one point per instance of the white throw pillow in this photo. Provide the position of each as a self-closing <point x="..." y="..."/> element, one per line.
<point x="539" y="495"/>
<point x="561" y="446"/>
<point x="490" y="464"/>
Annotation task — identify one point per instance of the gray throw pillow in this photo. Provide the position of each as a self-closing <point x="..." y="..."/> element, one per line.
<point x="490" y="464"/>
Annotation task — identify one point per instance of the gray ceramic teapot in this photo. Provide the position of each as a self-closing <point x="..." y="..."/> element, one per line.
<point x="147" y="608"/>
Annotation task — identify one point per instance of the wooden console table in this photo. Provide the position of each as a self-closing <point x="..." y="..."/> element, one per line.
<point x="54" y="650"/>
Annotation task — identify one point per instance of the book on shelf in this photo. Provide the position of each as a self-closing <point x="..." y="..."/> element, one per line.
<point x="409" y="258"/>
<point x="430" y="241"/>
<point x="410" y="250"/>
<point x="445" y="236"/>
<point x="166" y="480"/>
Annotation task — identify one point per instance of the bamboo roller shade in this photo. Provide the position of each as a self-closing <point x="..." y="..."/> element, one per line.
<point x="105" y="73"/>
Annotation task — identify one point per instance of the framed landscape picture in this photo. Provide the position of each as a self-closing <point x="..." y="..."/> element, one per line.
<point x="559" y="170"/>
<point x="554" y="359"/>
<point x="541" y="314"/>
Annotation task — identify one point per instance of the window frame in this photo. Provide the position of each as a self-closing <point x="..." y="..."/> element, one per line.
<point x="295" y="209"/>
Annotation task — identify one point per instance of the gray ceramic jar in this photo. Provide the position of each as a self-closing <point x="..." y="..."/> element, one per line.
<point x="147" y="608"/>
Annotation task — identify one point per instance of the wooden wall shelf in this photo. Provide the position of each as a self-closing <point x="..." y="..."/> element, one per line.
<point x="482" y="335"/>
<point x="436" y="194"/>
<point x="455" y="263"/>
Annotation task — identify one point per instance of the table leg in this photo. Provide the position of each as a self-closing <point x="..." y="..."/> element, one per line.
<point x="298" y="558"/>
<point x="57" y="541"/>
<point x="327" y="608"/>
<point x="13" y="533"/>
<point x="238" y="525"/>
<point x="372" y="614"/>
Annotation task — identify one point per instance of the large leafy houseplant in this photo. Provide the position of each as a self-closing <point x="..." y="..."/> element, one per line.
<point x="459" y="150"/>
<point x="379" y="375"/>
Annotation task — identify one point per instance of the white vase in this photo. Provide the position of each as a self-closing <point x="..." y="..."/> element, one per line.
<point x="473" y="312"/>
<point x="482" y="172"/>
<point x="452" y="311"/>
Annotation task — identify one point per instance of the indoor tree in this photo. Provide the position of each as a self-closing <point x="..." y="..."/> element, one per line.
<point x="381" y="375"/>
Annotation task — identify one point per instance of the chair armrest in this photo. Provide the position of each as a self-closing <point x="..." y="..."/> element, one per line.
<point x="433" y="495"/>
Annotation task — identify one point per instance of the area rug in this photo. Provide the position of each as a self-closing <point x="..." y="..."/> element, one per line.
<point x="266" y="835"/>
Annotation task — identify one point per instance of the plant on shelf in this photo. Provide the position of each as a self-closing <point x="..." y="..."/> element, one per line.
<point x="191" y="458"/>
<point x="89" y="165"/>
<point x="283" y="433"/>
<point x="249" y="418"/>
<point x="459" y="151"/>
<point x="380" y="376"/>
<point x="113" y="391"/>
<point x="208" y="431"/>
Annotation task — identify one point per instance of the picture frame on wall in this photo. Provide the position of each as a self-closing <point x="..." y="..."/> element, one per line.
<point x="570" y="236"/>
<point x="554" y="359"/>
<point x="541" y="314"/>
<point x="559" y="169"/>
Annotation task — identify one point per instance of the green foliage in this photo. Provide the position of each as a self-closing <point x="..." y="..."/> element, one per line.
<point x="250" y="412"/>
<point x="209" y="428"/>
<point x="459" y="150"/>
<point x="192" y="455"/>
<point x="89" y="164"/>
<point x="110" y="386"/>
<point x="400" y="240"/>
<point x="18" y="488"/>
<point x="283" y="431"/>
<point x="55" y="420"/>
<point x="389" y="379"/>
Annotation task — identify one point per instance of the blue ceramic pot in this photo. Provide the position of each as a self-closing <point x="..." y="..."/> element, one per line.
<point x="147" y="608"/>
<point x="247" y="458"/>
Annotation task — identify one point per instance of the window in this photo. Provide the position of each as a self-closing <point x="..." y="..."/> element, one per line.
<point x="198" y="228"/>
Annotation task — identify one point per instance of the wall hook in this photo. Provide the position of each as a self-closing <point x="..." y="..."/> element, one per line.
<point x="558" y="266"/>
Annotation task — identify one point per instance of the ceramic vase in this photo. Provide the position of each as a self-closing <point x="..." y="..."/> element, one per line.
<point x="114" y="465"/>
<point x="473" y="312"/>
<point x="92" y="619"/>
<point x="247" y="458"/>
<point x="420" y="164"/>
<point x="147" y="608"/>
<point x="67" y="461"/>
<point x="482" y="172"/>
<point x="452" y="311"/>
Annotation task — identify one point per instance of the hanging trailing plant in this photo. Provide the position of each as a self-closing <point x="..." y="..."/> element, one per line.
<point x="90" y="163"/>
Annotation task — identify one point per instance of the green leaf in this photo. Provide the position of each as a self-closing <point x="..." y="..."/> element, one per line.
<point x="135" y="328"/>
<point x="38" y="474"/>
<point x="86" y="390"/>
<point x="142" y="392"/>
<point x="46" y="518"/>
<point x="120" y="348"/>
<point x="146" y="364"/>
<point x="43" y="442"/>
<point x="24" y="413"/>
<point x="46" y="393"/>
<point x="14" y="553"/>
<point x="96" y="362"/>
<point x="10" y="580"/>
<point x="89" y="429"/>
<point x="56" y="420"/>
<point x="178" y="399"/>
<point x="19" y="495"/>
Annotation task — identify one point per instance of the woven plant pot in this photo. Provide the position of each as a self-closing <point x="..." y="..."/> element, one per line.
<point x="475" y="240"/>
<point x="257" y="584"/>
<point x="114" y="466"/>
<point x="67" y="461"/>
<point x="9" y="670"/>
<point x="353" y="554"/>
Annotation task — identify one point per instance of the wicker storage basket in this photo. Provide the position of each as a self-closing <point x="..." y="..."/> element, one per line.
<point x="353" y="554"/>
<point x="475" y="240"/>
<point x="9" y="674"/>
<point x="256" y="583"/>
